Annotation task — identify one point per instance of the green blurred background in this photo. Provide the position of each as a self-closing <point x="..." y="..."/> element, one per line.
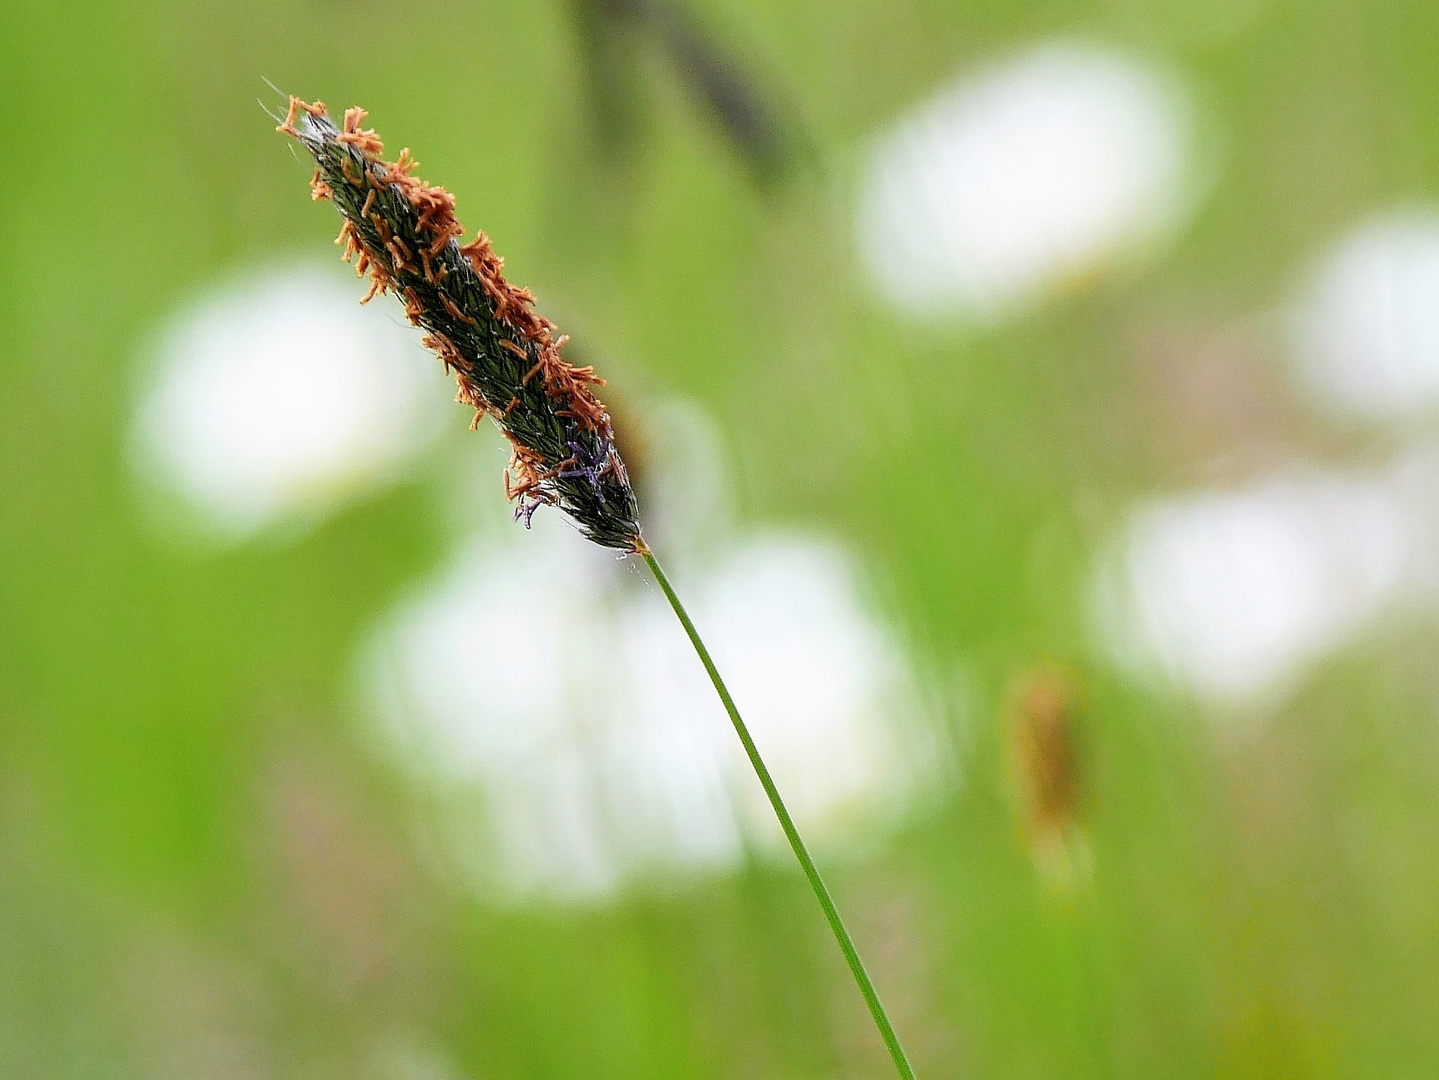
<point x="211" y="866"/>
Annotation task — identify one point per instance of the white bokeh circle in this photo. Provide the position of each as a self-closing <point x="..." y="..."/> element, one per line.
<point x="276" y="396"/>
<point x="1021" y="178"/>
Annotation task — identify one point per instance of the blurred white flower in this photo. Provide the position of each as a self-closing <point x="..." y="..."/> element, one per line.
<point x="1022" y="178"/>
<point x="1234" y="594"/>
<point x="1366" y="326"/>
<point x="551" y="682"/>
<point x="278" y="396"/>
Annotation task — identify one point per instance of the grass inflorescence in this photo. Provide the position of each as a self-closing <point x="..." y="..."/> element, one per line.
<point x="402" y="233"/>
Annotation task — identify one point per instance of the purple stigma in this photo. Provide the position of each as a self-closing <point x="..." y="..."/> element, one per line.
<point x="526" y="509"/>
<point x="590" y="466"/>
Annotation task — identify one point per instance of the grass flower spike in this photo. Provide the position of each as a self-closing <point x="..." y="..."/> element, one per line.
<point x="506" y="358"/>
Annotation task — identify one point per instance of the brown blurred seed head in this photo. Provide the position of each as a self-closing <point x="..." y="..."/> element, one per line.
<point x="1043" y="716"/>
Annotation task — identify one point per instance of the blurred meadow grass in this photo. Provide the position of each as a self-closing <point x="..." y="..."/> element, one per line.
<point x="205" y="872"/>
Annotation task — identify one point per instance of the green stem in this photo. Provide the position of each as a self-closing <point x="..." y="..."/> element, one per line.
<point x="846" y="943"/>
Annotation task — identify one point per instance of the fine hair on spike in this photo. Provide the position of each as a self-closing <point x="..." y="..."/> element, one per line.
<point x="402" y="233"/>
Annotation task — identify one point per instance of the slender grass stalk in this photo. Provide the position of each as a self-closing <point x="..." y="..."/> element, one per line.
<point x="801" y="852"/>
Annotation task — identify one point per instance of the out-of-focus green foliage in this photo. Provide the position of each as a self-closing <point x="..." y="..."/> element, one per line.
<point x="204" y="873"/>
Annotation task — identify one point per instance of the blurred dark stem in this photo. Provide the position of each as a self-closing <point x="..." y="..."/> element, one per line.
<point x="769" y="143"/>
<point x="811" y="871"/>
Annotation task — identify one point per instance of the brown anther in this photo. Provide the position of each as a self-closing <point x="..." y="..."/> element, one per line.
<point x="293" y="114"/>
<point x="366" y="142"/>
<point x="455" y="312"/>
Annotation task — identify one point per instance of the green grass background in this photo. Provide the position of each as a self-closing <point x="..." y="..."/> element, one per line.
<point x="1259" y="910"/>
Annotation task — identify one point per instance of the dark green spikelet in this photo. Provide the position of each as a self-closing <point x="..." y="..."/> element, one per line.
<point x="506" y="358"/>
